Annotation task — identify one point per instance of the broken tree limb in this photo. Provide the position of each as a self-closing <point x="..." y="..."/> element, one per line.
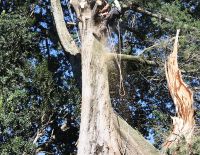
<point x="38" y="135"/>
<point x="183" y="123"/>
<point x="135" y="59"/>
<point x="64" y="35"/>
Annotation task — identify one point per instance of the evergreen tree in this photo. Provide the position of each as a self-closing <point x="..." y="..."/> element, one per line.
<point x="40" y="83"/>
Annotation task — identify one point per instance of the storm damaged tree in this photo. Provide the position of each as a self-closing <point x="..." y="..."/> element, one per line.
<point x="40" y="82"/>
<point x="102" y="131"/>
<point x="183" y="123"/>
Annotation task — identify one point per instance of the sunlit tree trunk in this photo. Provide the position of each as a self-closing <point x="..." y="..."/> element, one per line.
<point x="101" y="130"/>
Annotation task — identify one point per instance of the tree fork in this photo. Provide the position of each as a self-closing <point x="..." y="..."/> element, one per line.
<point x="101" y="130"/>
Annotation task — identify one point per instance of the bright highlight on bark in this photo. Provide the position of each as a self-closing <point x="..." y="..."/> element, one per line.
<point x="183" y="123"/>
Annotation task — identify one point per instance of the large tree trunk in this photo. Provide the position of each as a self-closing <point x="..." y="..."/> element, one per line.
<point x="97" y="132"/>
<point x="101" y="131"/>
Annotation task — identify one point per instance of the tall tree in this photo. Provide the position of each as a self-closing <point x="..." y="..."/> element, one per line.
<point x="101" y="130"/>
<point x="38" y="80"/>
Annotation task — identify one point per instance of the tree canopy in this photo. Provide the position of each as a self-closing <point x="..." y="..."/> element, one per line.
<point x="40" y="93"/>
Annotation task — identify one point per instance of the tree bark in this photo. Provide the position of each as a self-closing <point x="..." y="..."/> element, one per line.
<point x="101" y="130"/>
<point x="66" y="40"/>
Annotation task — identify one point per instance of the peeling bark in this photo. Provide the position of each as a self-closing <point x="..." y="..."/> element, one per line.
<point x="183" y="123"/>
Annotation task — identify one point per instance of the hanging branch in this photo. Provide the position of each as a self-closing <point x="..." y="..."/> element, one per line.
<point x="183" y="123"/>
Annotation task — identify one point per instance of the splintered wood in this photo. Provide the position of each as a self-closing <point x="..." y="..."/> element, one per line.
<point x="183" y="123"/>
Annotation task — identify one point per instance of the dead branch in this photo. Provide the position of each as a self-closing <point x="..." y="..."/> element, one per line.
<point x="38" y="135"/>
<point x="159" y="16"/>
<point x="183" y="124"/>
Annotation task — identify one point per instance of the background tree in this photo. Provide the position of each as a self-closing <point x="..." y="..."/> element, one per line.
<point x="38" y="94"/>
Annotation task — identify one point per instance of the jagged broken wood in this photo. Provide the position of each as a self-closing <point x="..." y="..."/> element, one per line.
<point x="183" y="123"/>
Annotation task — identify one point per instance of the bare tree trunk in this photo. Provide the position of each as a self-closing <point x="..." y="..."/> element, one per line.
<point x="101" y="131"/>
<point x="183" y="124"/>
<point x="97" y="132"/>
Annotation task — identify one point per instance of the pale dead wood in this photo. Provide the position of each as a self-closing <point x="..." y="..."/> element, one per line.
<point x="183" y="123"/>
<point x="64" y="35"/>
<point x="38" y="135"/>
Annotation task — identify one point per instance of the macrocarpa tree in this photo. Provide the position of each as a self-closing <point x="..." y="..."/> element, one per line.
<point x="102" y="131"/>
